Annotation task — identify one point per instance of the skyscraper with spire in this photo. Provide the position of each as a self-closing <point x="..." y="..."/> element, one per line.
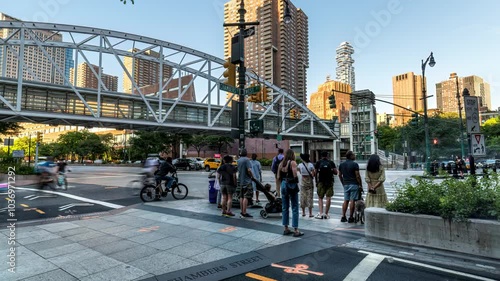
<point x="345" y="68"/>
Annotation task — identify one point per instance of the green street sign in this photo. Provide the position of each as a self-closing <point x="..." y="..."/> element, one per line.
<point x="252" y="90"/>
<point x="368" y="138"/>
<point x="229" y="88"/>
<point x="257" y="126"/>
<point x="279" y="137"/>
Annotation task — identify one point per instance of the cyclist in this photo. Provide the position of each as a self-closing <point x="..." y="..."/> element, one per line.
<point x="62" y="168"/>
<point x="165" y="168"/>
<point x="46" y="170"/>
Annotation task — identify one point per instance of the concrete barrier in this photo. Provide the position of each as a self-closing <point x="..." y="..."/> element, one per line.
<point x="476" y="237"/>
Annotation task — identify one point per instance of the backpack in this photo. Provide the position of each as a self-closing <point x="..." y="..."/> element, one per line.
<point x="325" y="171"/>
<point x="275" y="164"/>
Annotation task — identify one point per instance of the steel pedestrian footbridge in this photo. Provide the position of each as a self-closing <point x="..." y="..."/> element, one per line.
<point x="26" y="95"/>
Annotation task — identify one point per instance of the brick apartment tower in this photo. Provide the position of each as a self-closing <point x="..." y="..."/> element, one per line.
<point x="277" y="52"/>
<point x="86" y="78"/>
<point x="446" y="92"/>
<point x="144" y="72"/>
<point x="320" y="103"/>
<point x="407" y="92"/>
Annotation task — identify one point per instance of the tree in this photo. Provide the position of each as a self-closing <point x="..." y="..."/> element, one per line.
<point x="491" y="131"/>
<point x="198" y="142"/>
<point x="9" y="128"/>
<point x="146" y="142"/>
<point x="221" y="143"/>
<point x="23" y="144"/>
<point x="386" y="137"/>
<point x="107" y="142"/>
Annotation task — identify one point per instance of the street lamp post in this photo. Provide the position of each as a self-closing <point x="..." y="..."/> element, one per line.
<point x="430" y="60"/>
<point x="460" y="117"/>
<point x="242" y="24"/>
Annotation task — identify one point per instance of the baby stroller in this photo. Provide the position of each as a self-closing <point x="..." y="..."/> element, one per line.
<point x="274" y="205"/>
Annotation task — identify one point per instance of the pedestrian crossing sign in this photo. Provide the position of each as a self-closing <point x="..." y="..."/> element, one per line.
<point x="477" y="144"/>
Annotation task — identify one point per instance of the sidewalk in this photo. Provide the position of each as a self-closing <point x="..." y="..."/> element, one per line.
<point x="171" y="239"/>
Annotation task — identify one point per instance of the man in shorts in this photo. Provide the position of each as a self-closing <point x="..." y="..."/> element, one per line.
<point x="245" y="177"/>
<point x="325" y="170"/>
<point x="351" y="180"/>
<point x="227" y="179"/>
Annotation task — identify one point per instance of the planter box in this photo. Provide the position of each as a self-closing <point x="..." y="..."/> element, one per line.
<point x="477" y="237"/>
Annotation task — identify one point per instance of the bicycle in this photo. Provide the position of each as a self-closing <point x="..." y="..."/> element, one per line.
<point x="152" y="192"/>
<point x="137" y="184"/>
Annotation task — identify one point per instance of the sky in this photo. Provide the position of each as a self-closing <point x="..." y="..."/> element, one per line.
<point x="390" y="37"/>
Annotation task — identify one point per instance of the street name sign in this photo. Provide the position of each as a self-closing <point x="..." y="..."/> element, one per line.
<point x="472" y="114"/>
<point x="229" y="88"/>
<point x="477" y="144"/>
<point x="18" y="153"/>
<point x="249" y="32"/>
<point x="252" y="90"/>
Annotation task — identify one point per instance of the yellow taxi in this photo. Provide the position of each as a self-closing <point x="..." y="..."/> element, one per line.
<point x="211" y="164"/>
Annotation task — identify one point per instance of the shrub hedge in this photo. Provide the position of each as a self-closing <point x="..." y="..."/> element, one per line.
<point x="452" y="199"/>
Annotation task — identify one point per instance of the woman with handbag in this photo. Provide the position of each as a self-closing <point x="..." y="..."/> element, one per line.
<point x="307" y="172"/>
<point x="287" y="173"/>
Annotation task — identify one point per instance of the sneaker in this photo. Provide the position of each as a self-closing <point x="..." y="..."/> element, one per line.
<point x="351" y="220"/>
<point x="229" y="214"/>
<point x="343" y="219"/>
<point x="247" y="215"/>
<point x="224" y="213"/>
<point x="326" y="216"/>
<point x="319" y="216"/>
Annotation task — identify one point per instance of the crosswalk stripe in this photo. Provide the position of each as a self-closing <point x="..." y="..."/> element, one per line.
<point x="365" y="268"/>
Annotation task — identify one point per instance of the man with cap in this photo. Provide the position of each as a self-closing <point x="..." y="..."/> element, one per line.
<point x="245" y="177"/>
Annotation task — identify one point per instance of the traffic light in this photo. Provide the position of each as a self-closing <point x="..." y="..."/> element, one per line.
<point x="254" y="98"/>
<point x="435" y="141"/>
<point x="38" y="136"/>
<point x="230" y="73"/>
<point x="265" y="96"/>
<point x="414" y="119"/>
<point x="376" y="133"/>
<point x="293" y="114"/>
<point x="333" y="103"/>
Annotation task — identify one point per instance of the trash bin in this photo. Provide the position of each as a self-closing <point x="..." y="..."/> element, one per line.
<point x="212" y="192"/>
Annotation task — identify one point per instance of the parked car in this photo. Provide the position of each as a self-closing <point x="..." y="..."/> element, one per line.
<point x="211" y="164"/>
<point x="186" y="164"/>
<point x="198" y="160"/>
<point x="98" y="161"/>
<point x="492" y="163"/>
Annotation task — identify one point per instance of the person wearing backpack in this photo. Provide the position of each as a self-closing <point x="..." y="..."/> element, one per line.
<point x="274" y="167"/>
<point x="325" y="169"/>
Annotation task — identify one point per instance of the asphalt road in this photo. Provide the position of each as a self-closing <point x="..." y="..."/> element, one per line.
<point x="338" y="263"/>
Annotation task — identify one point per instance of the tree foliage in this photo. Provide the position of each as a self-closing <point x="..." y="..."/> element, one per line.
<point x="220" y="143"/>
<point x="198" y="142"/>
<point x="9" y="128"/>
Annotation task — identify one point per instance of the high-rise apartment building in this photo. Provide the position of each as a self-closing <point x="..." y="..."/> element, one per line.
<point x="446" y="92"/>
<point x="69" y="63"/>
<point x="277" y="52"/>
<point x="407" y="92"/>
<point x="37" y="66"/>
<point x="345" y="68"/>
<point x="320" y="103"/>
<point x="87" y="79"/>
<point x="144" y="72"/>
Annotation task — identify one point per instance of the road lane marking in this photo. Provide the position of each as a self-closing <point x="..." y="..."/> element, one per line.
<point x="24" y="205"/>
<point x="365" y="268"/>
<point x="102" y="203"/>
<point x="62" y="208"/>
<point x="40" y="211"/>
<point x="259" y="277"/>
<point x="433" y="267"/>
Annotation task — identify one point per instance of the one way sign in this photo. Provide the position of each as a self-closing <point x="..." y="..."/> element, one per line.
<point x="477" y="143"/>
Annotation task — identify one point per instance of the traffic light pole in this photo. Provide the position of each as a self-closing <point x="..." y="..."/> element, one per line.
<point x="241" y="72"/>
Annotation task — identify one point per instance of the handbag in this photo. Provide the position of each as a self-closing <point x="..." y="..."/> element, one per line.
<point x="217" y="183"/>
<point x="292" y="186"/>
